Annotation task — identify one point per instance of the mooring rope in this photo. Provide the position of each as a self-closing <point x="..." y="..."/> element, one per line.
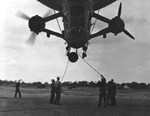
<point x="58" y="22"/>
<point x="65" y="70"/>
<point x="90" y="65"/>
<point x="94" y="23"/>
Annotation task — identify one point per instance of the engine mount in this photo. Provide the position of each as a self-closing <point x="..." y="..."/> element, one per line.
<point x="36" y="24"/>
<point x="116" y="25"/>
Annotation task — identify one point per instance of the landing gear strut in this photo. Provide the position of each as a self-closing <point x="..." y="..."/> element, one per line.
<point x="85" y="47"/>
<point x="68" y="48"/>
<point x="73" y="56"/>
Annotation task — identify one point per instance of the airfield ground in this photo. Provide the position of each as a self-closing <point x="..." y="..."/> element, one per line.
<point x="74" y="102"/>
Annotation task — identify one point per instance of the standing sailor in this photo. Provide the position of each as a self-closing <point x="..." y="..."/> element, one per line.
<point x="102" y="90"/>
<point x="18" y="89"/>
<point x="52" y="97"/>
<point x="58" y="91"/>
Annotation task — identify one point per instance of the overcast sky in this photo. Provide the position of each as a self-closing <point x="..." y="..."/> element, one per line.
<point x="117" y="57"/>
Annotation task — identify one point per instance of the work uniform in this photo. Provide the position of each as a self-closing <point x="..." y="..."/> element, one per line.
<point x="58" y="91"/>
<point x="52" y="92"/>
<point x="102" y="89"/>
<point x="113" y="94"/>
<point x="108" y="93"/>
<point x="18" y="90"/>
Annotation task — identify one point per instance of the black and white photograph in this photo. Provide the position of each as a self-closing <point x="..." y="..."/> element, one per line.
<point x="74" y="58"/>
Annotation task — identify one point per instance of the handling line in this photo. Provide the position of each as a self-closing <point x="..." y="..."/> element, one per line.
<point x="65" y="70"/>
<point x="90" y="65"/>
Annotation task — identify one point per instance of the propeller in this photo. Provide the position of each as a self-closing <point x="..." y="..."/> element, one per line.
<point x="47" y="14"/>
<point x="124" y="30"/>
<point x="116" y="25"/>
<point x="32" y="37"/>
<point x="23" y="15"/>
<point x="127" y="33"/>
<point x="119" y="10"/>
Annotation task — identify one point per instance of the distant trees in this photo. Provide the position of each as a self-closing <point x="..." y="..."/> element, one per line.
<point x="38" y="85"/>
<point x="132" y="85"/>
<point x="80" y="84"/>
<point x="6" y="82"/>
<point x="70" y="85"/>
<point x="136" y="85"/>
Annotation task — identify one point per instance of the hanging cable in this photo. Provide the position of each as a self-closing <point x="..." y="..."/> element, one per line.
<point x="65" y="70"/>
<point x="90" y="65"/>
<point x="58" y="22"/>
<point x="94" y="23"/>
<point x="68" y="60"/>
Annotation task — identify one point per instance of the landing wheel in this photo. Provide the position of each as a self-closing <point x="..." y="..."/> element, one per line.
<point x="73" y="57"/>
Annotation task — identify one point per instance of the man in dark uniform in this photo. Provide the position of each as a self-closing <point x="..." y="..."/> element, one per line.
<point x="113" y="93"/>
<point x="58" y="91"/>
<point x="52" y="97"/>
<point x="102" y="89"/>
<point x="108" y="92"/>
<point x="18" y="89"/>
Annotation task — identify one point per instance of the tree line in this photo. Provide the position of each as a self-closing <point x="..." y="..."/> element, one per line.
<point x="70" y="85"/>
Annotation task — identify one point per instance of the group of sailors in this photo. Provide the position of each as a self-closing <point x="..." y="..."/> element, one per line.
<point x="107" y="92"/>
<point x="55" y="91"/>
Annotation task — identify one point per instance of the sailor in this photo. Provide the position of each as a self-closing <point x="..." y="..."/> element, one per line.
<point x="102" y="90"/>
<point x="113" y="93"/>
<point x="18" y="89"/>
<point x="108" y="96"/>
<point x="52" y="97"/>
<point x="57" y="90"/>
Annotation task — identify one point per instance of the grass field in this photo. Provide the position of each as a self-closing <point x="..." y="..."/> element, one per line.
<point x="74" y="102"/>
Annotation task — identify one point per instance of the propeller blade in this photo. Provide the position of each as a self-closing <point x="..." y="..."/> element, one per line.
<point x="32" y="38"/>
<point x="22" y="15"/>
<point x="48" y="13"/>
<point x="120" y="9"/>
<point x="127" y="33"/>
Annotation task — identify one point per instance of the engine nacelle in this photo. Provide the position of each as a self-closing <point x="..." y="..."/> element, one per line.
<point x="116" y="25"/>
<point x="36" y="24"/>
